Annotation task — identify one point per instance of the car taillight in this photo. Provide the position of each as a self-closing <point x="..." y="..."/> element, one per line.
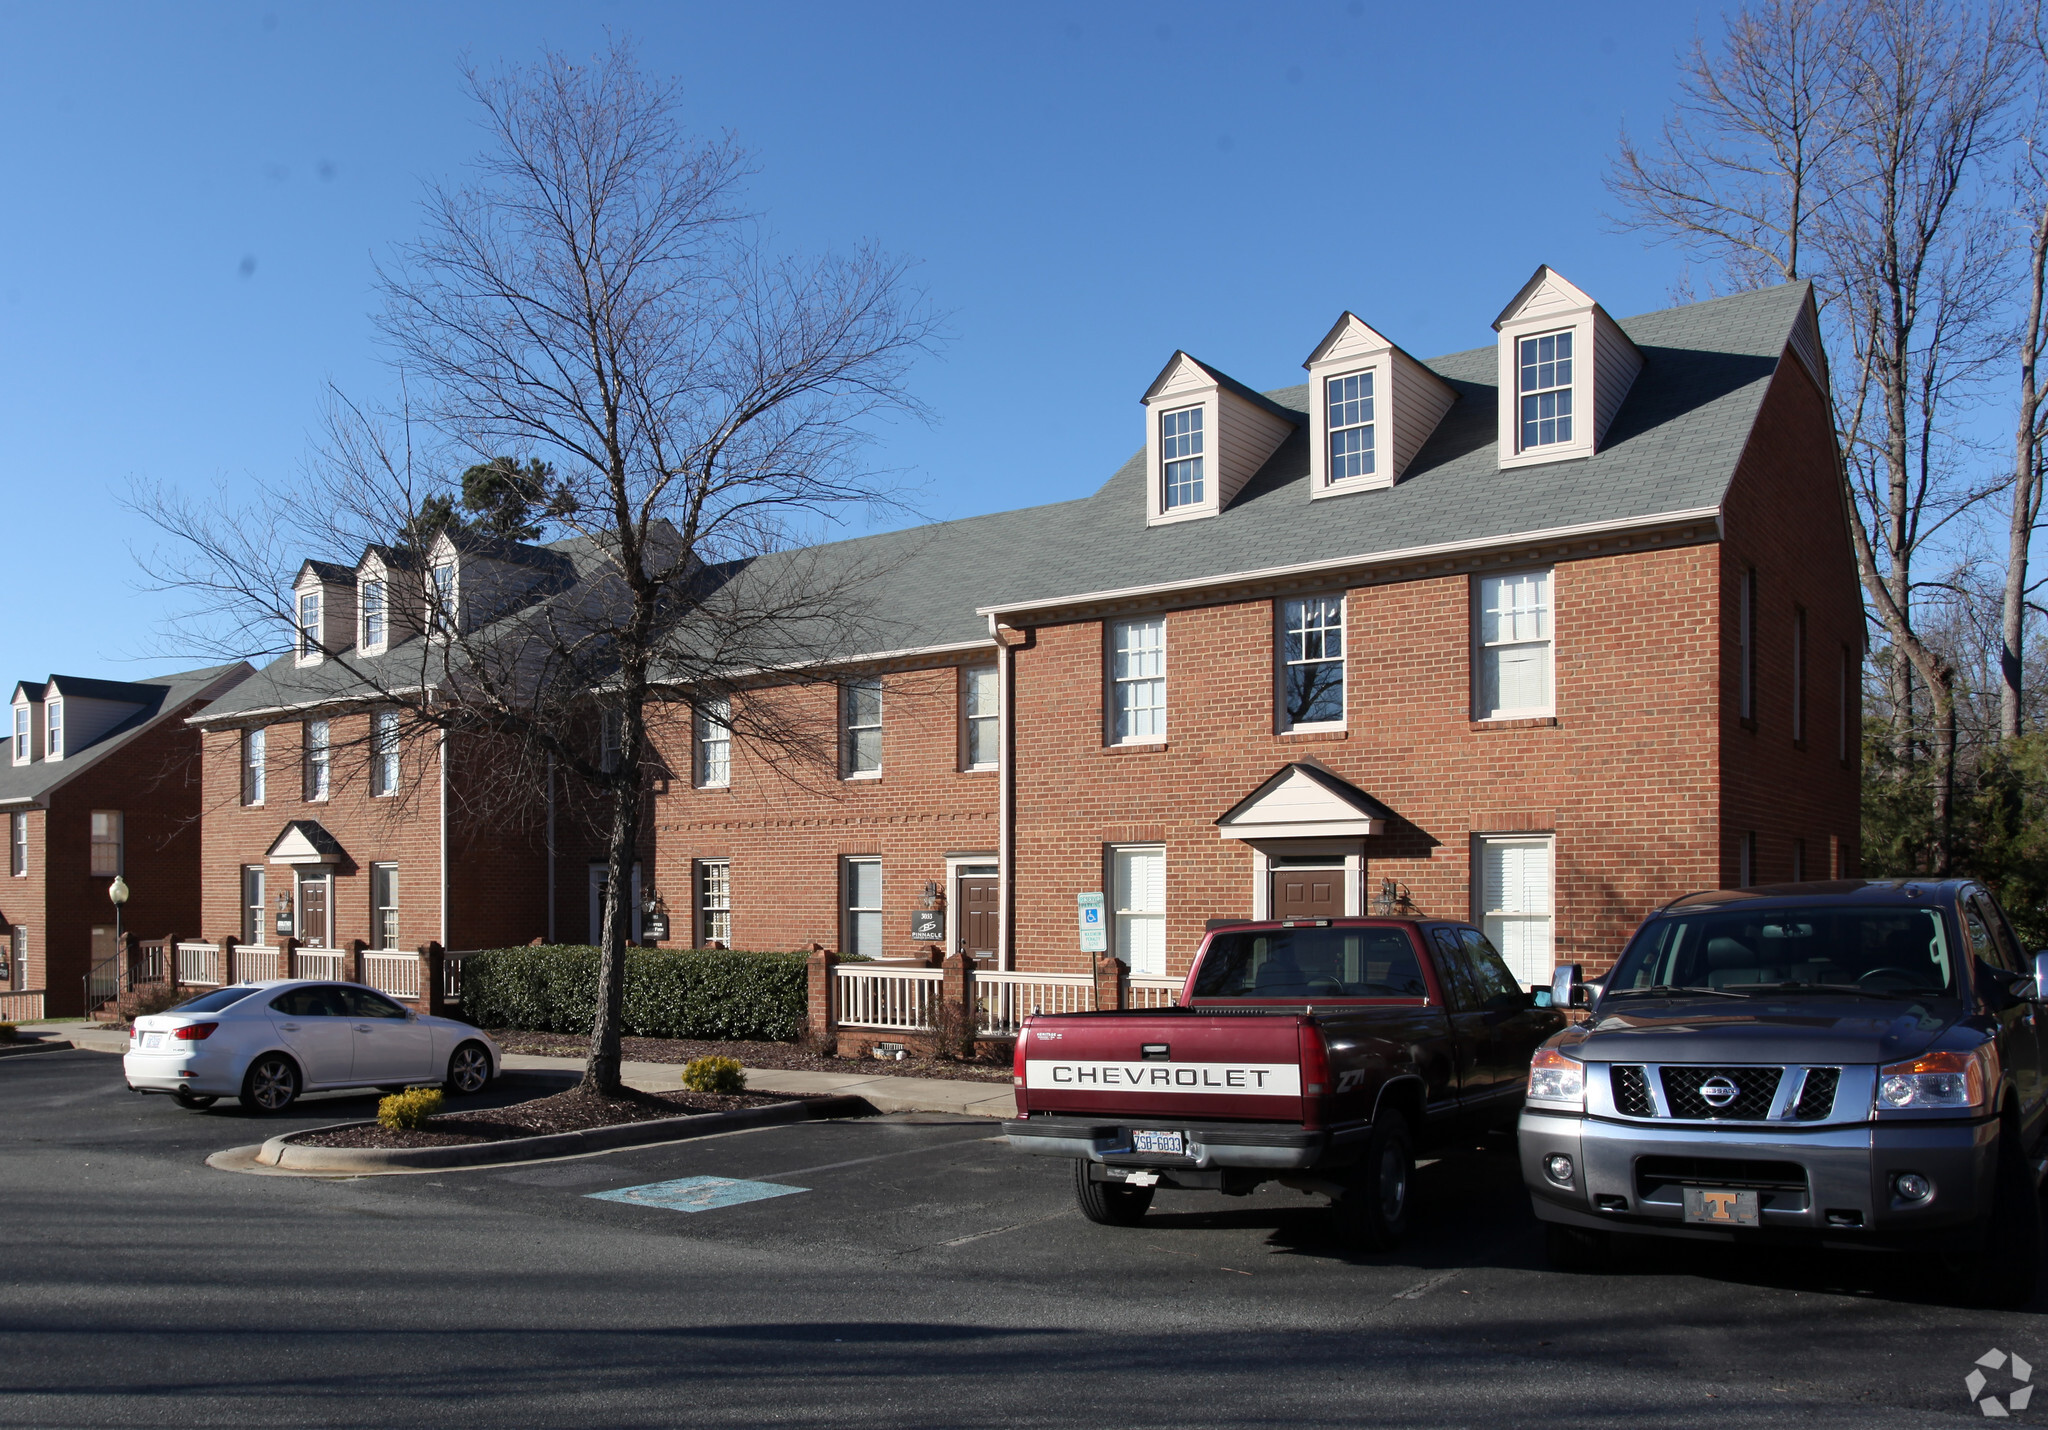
<point x="1017" y="1055"/>
<point x="195" y="1032"/>
<point x="1315" y="1073"/>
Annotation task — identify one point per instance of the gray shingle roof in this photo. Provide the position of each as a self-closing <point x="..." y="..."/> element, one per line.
<point x="166" y="695"/>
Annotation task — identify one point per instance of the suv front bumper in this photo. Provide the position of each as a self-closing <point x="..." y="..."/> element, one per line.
<point x="1627" y="1175"/>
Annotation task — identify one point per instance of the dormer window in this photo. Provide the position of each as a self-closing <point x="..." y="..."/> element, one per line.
<point x="309" y="627"/>
<point x="53" y="730"/>
<point x="21" y="735"/>
<point x="372" y="603"/>
<point x="442" y="616"/>
<point x="1372" y="406"/>
<point x="1180" y="449"/>
<point x="1565" y="368"/>
<point x="1206" y="436"/>
<point x="1545" y="389"/>
<point x="1350" y="414"/>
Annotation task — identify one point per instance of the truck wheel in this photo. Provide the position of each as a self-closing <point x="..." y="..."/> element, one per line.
<point x="2005" y="1264"/>
<point x="1570" y="1249"/>
<point x="1373" y="1214"/>
<point x="1109" y="1203"/>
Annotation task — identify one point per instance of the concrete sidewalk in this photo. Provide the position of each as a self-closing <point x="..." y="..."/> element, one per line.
<point x="884" y="1093"/>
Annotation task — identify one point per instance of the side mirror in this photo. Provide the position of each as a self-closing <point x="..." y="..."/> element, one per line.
<point x="1539" y="997"/>
<point x="1566" y="989"/>
<point x="2039" y="992"/>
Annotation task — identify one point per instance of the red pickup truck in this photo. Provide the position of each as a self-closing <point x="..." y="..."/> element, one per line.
<point x="1315" y="1053"/>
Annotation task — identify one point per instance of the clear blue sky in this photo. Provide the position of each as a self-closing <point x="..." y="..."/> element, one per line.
<point x="193" y="196"/>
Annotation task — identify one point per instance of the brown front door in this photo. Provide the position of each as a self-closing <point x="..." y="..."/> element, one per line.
<point x="1308" y="893"/>
<point x="979" y="919"/>
<point x="312" y="926"/>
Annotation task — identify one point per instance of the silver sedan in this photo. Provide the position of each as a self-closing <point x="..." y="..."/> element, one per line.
<point x="266" y="1043"/>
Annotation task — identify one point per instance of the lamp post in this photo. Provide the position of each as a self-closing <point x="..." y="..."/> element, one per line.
<point x="117" y="893"/>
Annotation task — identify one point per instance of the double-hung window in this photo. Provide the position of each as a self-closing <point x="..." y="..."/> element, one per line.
<point x="373" y="615"/>
<point x="53" y="730"/>
<point x="979" y="728"/>
<point x="611" y="726"/>
<point x="1515" y="900"/>
<point x="1545" y="389"/>
<point x="21" y="734"/>
<point x="17" y="845"/>
<point x="1137" y="876"/>
<point x="309" y="626"/>
<point x="864" y="907"/>
<point x="1513" y="647"/>
<point x="714" y="744"/>
<point x="860" y="704"/>
<point x="1137" y="675"/>
<point x="1351" y="426"/>
<point x="316" y="759"/>
<point x="253" y="742"/>
<point x="384" y="905"/>
<point x="106" y="843"/>
<point x="1312" y="661"/>
<point x="714" y="902"/>
<point x="442" y="616"/>
<point x="1180" y="458"/>
<point x="253" y="911"/>
<point x="384" y="753"/>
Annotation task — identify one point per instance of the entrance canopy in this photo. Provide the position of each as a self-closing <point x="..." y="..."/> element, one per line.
<point x="1304" y="801"/>
<point x="305" y="842"/>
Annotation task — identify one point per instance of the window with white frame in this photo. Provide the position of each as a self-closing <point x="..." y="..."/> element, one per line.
<point x="316" y="759"/>
<point x="441" y="617"/>
<point x="1545" y="389"/>
<point x="20" y="941"/>
<point x="864" y="907"/>
<point x="1137" y="670"/>
<point x="253" y="910"/>
<point x="860" y="705"/>
<point x="309" y="625"/>
<point x="384" y="753"/>
<point x="1516" y="899"/>
<point x="979" y="694"/>
<point x="1350" y="406"/>
<point x="1180" y="458"/>
<point x="53" y="730"/>
<point x="1312" y="661"/>
<point x="384" y="906"/>
<point x="1514" y="645"/>
<point x="714" y="743"/>
<point x="22" y="744"/>
<point x="253" y="743"/>
<point x="610" y="730"/>
<point x="714" y="902"/>
<point x="372" y="608"/>
<point x="1137" y="875"/>
<point x="106" y="843"/>
<point x="17" y="845"/>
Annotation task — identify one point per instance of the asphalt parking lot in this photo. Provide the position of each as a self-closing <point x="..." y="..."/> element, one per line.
<point x="905" y="1271"/>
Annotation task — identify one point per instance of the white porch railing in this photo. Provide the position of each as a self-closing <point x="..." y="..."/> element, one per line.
<point x="1002" y="1001"/>
<point x="899" y="999"/>
<point x="317" y="963"/>
<point x="1142" y="990"/>
<point x="199" y="964"/>
<point x="257" y="963"/>
<point x="395" y="973"/>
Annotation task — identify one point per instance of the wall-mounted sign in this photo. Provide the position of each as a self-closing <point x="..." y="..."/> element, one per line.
<point x="927" y="925"/>
<point x="654" y="926"/>
<point x="1094" y="923"/>
<point x="284" y="923"/>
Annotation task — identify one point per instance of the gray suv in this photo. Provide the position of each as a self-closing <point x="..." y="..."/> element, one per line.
<point x="1855" y="1063"/>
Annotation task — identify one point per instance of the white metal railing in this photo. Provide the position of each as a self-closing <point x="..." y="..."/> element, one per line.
<point x="1002" y="1001"/>
<point x="866" y="996"/>
<point x="317" y="963"/>
<point x="257" y="963"/>
<point x="1142" y="990"/>
<point x="395" y="973"/>
<point x="199" y="964"/>
<point x="451" y="975"/>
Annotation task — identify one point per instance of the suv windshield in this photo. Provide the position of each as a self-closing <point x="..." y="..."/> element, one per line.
<point x="1311" y="963"/>
<point x="1872" y="950"/>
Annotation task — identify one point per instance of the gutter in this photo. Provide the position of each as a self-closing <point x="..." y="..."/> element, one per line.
<point x="1006" y="641"/>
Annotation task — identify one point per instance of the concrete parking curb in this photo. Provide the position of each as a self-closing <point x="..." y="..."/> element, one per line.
<point x="52" y="1045"/>
<point x="286" y="1154"/>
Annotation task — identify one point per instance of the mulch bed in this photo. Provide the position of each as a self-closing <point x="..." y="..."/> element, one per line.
<point x="790" y="1057"/>
<point x="570" y="1111"/>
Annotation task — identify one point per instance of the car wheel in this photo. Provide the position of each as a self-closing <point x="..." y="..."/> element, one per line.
<point x="1109" y="1203"/>
<point x="1372" y="1214"/>
<point x="469" y="1070"/>
<point x="1570" y="1248"/>
<point x="271" y="1084"/>
<point x="2004" y="1265"/>
<point x="192" y="1099"/>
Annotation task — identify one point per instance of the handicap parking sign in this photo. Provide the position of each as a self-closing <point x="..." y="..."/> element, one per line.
<point x="1094" y="926"/>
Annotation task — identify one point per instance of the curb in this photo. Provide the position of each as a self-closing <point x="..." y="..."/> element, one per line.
<point x="55" y="1045"/>
<point x="285" y="1154"/>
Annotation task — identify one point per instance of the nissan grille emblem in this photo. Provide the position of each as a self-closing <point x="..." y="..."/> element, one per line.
<point x="1719" y="1091"/>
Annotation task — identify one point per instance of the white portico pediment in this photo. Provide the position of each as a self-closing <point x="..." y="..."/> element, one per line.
<point x="1303" y="801"/>
<point x="305" y="842"/>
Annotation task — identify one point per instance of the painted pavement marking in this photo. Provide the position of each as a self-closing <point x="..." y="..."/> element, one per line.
<point x="695" y="1194"/>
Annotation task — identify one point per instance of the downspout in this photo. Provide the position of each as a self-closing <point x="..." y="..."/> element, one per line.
<point x="441" y="749"/>
<point x="551" y="849"/>
<point x="1006" y="794"/>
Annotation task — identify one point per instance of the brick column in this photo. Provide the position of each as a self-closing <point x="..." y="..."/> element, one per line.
<point x="352" y="961"/>
<point x="228" y="944"/>
<point x="818" y="1022"/>
<point x="171" y="963"/>
<point x="287" y="950"/>
<point x="433" y="964"/>
<point x="131" y="958"/>
<point x="1109" y="982"/>
<point x="956" y="991"/>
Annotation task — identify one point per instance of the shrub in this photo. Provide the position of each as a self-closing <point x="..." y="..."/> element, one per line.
<point x="670" y="993"/>
<point x="714" y="1074"/>
<point x="161" y="998"/>
<point x="8" y="1033"/>
<point x="408" y="1111"/>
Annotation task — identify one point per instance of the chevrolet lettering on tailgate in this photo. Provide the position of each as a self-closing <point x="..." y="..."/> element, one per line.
<point x="1226" y="1079"/>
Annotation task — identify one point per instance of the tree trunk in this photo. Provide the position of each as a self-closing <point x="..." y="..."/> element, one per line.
<point x="2026" y="493"/>
<point x="601" y="1074"/>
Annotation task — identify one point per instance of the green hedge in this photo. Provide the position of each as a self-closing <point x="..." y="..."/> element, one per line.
<point x="670" y="993"/>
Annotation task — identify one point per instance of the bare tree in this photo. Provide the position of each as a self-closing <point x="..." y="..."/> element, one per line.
<point x="2030" y="209"/>
<point x="594" y="299"/>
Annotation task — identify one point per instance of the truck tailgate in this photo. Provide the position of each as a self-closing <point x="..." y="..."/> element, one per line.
<point x="1181" y="1065"/>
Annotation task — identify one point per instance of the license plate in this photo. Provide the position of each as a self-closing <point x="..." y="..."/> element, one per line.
<point x="1170" y="1143"/>
<point x="1711" y="1206"/>
<point x="151" y="1040"/>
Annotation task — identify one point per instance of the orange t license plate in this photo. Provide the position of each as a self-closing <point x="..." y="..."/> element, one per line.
<point x="1711" y="1206"/>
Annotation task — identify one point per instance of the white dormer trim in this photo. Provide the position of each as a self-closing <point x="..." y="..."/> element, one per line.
<point x="25" y="717"/>
<point x="1408" y="400"/>
<point x="307" y="645"/>
<point x="1604" y="366"/>
<point x="1301" y="801"/>
<point x="1238" y="436"/>
<point x="53" y="727"/>
<point x="437" y="622"/>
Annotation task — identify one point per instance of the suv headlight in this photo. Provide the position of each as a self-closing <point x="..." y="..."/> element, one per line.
<point x="1553" y="1077"/>
<point x="1938" y="1080"/>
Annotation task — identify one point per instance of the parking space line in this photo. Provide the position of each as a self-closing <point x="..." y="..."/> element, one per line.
<point x="1013" y="1226"/>
<point x="879" y="1156"/>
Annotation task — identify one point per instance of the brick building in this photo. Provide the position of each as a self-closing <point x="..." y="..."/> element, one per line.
<point x="101" y="781"/>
